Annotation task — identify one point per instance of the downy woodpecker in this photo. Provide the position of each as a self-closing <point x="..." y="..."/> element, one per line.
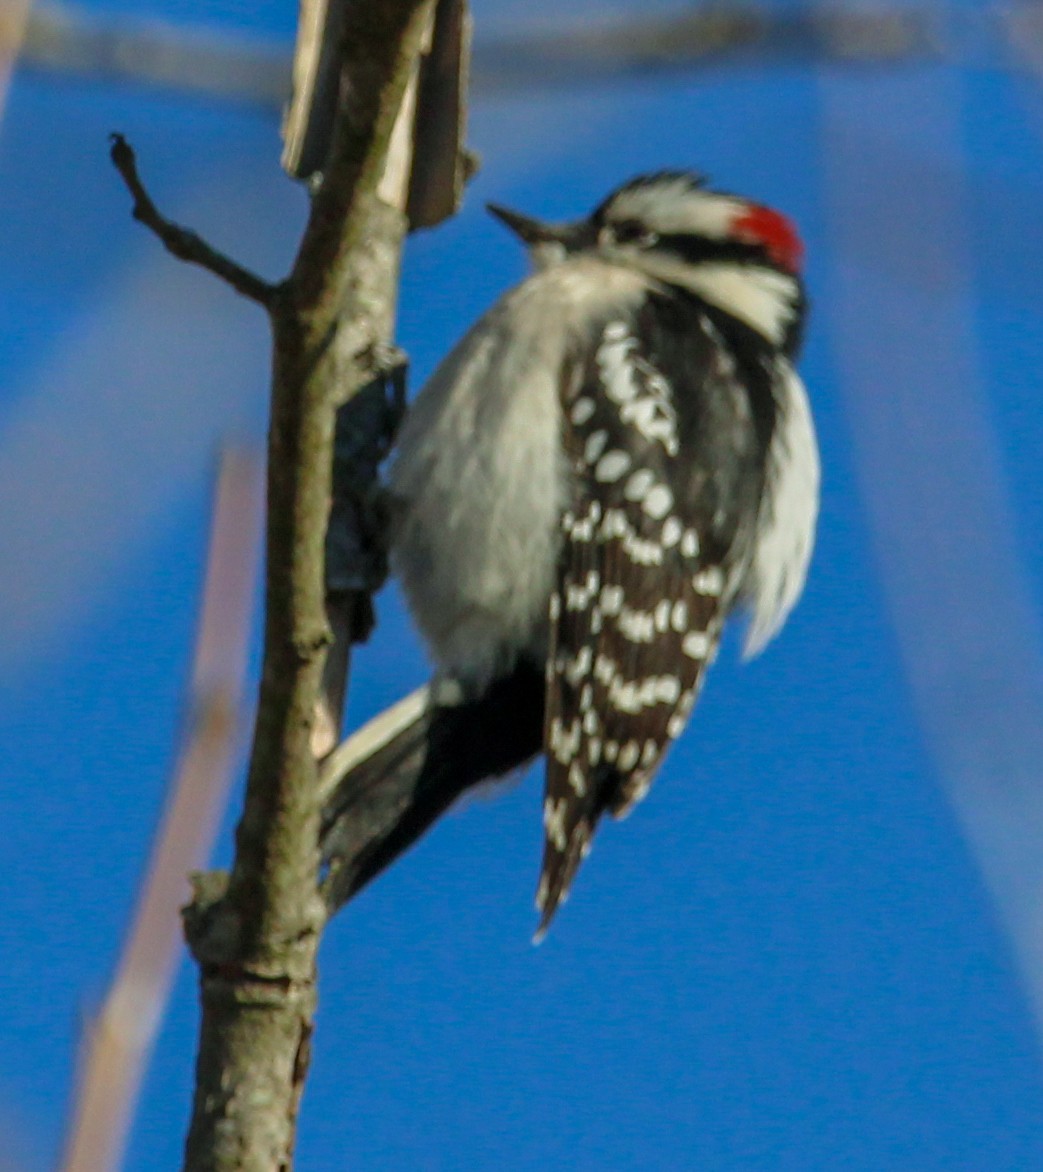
<point x="613" y="458"/>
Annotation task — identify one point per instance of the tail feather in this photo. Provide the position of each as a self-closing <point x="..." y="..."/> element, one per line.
<point x="558" y="871"/>
<point x="407" y="775"/>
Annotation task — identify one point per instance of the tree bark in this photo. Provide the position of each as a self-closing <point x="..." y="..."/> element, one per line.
<point x="256" y="936"/>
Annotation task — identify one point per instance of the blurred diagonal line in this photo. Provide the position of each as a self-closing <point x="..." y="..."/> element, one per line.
<point x="905" y="340"/>
<point x="1023" y="27"/>
<point x="701" y="35"/>
<point x="119" y="1041"/>
<point x="14" y="17"/>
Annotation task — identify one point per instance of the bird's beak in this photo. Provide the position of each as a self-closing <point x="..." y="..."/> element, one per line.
<point x="534" y="233"/>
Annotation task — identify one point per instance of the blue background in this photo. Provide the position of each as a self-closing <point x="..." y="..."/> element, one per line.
<point x="816" y="945"/>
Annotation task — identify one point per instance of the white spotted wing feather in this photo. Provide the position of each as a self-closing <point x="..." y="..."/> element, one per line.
<point x="640" y="598"/>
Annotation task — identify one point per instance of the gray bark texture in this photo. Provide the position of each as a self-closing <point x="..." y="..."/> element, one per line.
<point x="255" y="935"/>
<point x="337" y="392"/>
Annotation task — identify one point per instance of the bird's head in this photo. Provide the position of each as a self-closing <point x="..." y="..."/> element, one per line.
<point x="737" y="255"/>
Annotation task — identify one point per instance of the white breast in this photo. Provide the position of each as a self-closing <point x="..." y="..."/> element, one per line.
<point x="480" y="479"/>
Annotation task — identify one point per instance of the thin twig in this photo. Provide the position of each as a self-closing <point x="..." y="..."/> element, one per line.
<point x="182" y="242"/>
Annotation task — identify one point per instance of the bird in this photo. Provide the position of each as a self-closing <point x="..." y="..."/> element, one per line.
<point x="617" y="456"/>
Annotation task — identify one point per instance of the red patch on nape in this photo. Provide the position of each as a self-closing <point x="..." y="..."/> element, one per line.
<point x="760" y="225"/>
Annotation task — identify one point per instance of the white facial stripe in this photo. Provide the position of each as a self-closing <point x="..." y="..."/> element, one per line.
<point x="761" y="297"/>
<point x="674" y="207"/>
<point x="766" y="300"/>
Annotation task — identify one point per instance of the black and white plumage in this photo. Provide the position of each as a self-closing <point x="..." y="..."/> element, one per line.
<point x="616" y="455"/>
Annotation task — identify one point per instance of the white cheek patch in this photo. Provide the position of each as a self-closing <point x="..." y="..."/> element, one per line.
<point x="764" y="299"/>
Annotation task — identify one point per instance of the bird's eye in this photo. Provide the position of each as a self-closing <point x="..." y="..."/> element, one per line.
<point x="633" y="232"/>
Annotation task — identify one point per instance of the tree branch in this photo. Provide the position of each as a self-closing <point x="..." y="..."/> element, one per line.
<point x="256" y="937"/>
<point x="255" y="932"/>
<point x="185" y="244"/>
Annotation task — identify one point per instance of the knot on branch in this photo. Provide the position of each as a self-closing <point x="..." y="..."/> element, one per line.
<point x="213" y="930"/>
<point x="222" y="944"/>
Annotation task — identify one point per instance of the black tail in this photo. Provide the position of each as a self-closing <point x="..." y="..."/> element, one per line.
<point x="397" y="791"/>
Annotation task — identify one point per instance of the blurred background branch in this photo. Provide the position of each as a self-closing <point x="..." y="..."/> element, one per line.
<point x="117" y="1043"/>
<point x="14" y="17"/>
<point x="234" y="67"/>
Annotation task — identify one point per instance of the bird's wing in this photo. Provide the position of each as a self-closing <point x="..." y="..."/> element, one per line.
<point x="646" y="572"/>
